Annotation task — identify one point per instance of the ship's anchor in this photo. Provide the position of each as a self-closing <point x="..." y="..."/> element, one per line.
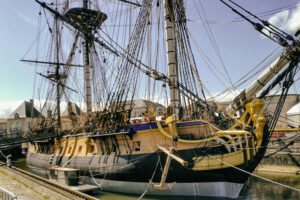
<point x="162" y="185"/>
<point x="171" y="121"/>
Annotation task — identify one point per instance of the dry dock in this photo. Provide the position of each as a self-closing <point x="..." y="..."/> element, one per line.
<point x="278" y="169"/>
<point x="27" y="186"/>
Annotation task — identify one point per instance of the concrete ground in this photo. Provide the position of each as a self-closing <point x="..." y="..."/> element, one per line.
<point x="26" y="189"/>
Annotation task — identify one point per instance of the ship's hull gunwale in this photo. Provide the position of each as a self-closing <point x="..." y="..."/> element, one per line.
<point x="203" y="189"/>
<point x="226" y="182"/>
<point x="121" y="167"/>
<point x="140" y="167"/>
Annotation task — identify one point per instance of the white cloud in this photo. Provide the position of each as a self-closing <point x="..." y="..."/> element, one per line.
<point x="280" y="18"/>
<point x="7" y="107"/>
<point x="287" y="20"/>
<point x="294" y="21"/>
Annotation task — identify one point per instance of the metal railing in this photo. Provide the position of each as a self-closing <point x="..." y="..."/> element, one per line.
<point x="7" y="195"/>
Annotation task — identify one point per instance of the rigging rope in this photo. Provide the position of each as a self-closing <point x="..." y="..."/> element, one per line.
<point x="240" y="19"/>
<point x="266" y="28"/>
<point x="212" y="39"/>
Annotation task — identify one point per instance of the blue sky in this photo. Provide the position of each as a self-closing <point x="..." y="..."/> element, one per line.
<point x="241" y="47"/>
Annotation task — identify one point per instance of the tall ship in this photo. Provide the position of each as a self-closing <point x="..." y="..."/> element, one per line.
<point x="103" y="56"/>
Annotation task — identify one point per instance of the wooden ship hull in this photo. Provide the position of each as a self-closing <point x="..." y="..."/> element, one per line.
<point x="125" y="161"/>
<point x="174" y="156"/>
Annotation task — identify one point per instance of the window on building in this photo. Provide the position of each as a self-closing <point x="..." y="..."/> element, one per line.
<point x="16" y="116"/>
<point x="12" y="128"/>
<point x="19" y="127"/>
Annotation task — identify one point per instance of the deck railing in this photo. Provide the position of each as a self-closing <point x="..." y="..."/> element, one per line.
<point x="20" y="137"/>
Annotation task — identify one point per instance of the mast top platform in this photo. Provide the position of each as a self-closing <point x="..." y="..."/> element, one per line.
<point x="86" y="18"/>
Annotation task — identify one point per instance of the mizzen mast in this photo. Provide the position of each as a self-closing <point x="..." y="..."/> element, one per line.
<point x="171" y="56"/>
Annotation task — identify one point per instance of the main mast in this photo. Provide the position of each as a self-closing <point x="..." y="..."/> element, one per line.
<point x="171" y="56"/>
<point x="87" y="75"/>
<point x="57" y="77"/>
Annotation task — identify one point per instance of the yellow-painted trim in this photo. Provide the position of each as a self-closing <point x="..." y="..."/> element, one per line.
<point x="146" y="131"/>
<point x="163" y="132"/>
<point x="185" y="127"/>
<point x="232" y="132"/>
<point x="65" y="148"/>
<point x="193" y="126"/>
<point x="208" y="163"/>
<point x="215" y="135"/>
<point x="74" y="147"/>
<point x="181" y="122"/>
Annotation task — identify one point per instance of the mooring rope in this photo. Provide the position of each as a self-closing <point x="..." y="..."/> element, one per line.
<point x="251" y="174"/>
<point x="94" y="180"/>
<point x="106" y="171"/>
<point x="150" y="181"/>
<point x="68" y="161"/>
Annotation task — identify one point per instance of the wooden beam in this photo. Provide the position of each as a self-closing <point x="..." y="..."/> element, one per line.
<point x="50" y="63"/>
<point x="169" y="153"/>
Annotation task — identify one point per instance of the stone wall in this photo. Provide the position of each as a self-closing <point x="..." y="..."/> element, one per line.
<point x="291" y="100"/>
<point x="283" y="159"/>
<point x="286" y="156"/>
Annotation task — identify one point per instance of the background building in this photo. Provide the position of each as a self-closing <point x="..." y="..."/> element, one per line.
<point x="23" y="118"/>
<point x="291" y="100"/>
<point x="285" y="118"/>
<point x="142" y="107"/>
<point x="293" y="116"/>
<point x="3" y="126"/>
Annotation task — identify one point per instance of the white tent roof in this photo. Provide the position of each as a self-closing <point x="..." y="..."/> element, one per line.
<point x="294" y="110"/>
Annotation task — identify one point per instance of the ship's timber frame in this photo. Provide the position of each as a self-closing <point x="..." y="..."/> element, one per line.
<point x="235" y="146"/>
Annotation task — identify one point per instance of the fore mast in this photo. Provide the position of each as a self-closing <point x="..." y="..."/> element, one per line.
<point x="87" y="75"/>
<point x="172" y="57"/>
<point x="86" y="20"/>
